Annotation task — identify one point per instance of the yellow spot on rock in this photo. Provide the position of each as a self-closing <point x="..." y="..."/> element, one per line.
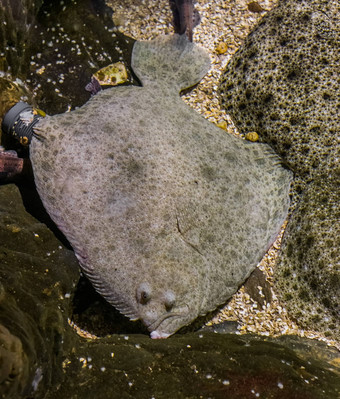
<point x="252" y="136"/>
<point x="13" y="228"/>
<point x="113" y="74"/>
<point x="47" y="291"/>
<point x="65" y="363"/>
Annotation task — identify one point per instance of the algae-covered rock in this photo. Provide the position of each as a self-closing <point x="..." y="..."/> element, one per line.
<point x="55" y="47"/>
<point x="283" y="84"/>
<point x="37" y="277"/>
<point x="13" y="364"/>
<point x="201" y="366"/>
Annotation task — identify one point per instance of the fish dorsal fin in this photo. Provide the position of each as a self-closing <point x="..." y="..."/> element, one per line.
<point x="170" y="60"/>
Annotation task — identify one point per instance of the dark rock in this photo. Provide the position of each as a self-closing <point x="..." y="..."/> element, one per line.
<point x="37" y="277"/>
<point x="283" y="84"/>
<point x="55" y="47"/>
<point x="201" y="365"/>
<point x="258" y="288"/>
<point x="224" y="327"/>
<point x="14" y="364"/>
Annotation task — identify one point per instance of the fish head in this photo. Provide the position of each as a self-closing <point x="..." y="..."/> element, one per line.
<point x="168" y="300"/>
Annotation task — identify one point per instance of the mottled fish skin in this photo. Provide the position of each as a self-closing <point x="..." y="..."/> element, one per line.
<point x="167" y="213"/>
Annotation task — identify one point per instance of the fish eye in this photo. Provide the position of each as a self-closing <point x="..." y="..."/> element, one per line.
<point x="144" y="297"/>
<point x="144" y="293"/>
<point x="169" y="300"/>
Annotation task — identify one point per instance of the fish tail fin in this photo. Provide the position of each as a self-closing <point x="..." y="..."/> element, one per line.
<point x="171" y="61"/>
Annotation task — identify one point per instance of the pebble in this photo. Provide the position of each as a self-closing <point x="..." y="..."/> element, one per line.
<point x="221" y="48"/>
<point x="252" y="136"/>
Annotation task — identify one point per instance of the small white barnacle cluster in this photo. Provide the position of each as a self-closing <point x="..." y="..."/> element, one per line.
<point x="56" y="39"/>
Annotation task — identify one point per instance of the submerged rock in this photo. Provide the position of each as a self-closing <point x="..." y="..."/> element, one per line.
<point x="283" y="84"/>
<point x="202" y="366"/>
<point x="55" y="47"/>
<point x="37" y="278"/>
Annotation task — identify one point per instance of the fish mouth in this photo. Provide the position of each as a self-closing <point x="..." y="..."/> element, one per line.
<point x="153" y="327"/>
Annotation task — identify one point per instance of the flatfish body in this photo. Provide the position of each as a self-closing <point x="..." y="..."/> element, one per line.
<point x="167" y="213"/>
